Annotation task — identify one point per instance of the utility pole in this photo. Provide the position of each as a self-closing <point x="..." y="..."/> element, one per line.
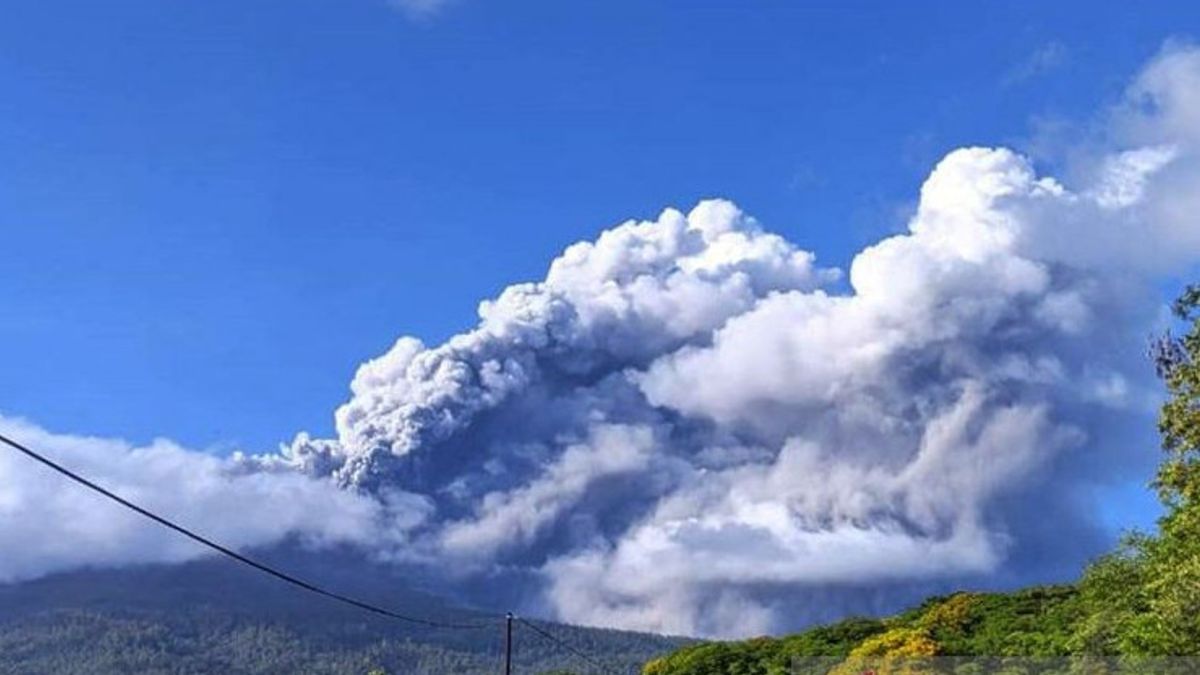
<point x="508" y="643"/>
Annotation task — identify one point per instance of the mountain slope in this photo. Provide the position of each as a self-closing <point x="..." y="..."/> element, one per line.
<point x="1036" y="622"/>
<point x="215" y="616"/>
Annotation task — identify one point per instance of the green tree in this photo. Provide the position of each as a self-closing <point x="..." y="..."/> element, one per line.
<point x="1178" y="363"/>
<point x="1173" y="582"/>
<point x="1144" y="599"/>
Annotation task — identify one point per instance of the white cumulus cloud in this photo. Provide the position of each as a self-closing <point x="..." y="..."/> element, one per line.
<point x="50" y="524"/>
<point x="690" y="425"/>
<point x="780" y="431"/>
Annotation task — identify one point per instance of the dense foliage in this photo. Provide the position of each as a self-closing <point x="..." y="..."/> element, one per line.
<point x="1037" y="621"/>
<point x="1145" y="596"/>
<point x="1142" y="600"/>
<point x="90" y="642"/>
<point x="215" y="617"/>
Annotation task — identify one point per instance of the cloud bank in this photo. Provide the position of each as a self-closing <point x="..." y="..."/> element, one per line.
<point x="48" y="524"/>
<point x="691" y="425"/>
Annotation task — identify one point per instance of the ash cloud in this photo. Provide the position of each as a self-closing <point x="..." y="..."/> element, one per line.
<point x="691" y="426"/>
<point x="688" y="415"/>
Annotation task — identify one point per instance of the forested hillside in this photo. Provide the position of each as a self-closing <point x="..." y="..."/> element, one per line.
<point x="1141" y="601"/>
<point x="214" y="616"/>
<point x="1034" y="622"/>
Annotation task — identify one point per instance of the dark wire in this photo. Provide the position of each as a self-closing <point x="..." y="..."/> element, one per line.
<point x="282" y="576"/>
<point x="567" y="646"/>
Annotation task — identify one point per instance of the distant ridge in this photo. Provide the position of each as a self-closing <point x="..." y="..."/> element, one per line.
<point x="215" y="616"/>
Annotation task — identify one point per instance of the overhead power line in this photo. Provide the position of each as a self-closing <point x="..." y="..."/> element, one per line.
<point x="228" y="552"/>
<point x="298" y="582"/>
<point x="566" y="646"/>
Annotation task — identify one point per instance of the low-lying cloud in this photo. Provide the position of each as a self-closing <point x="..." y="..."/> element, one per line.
<point x="48" y="524"/>
<point x="692" y="425"/>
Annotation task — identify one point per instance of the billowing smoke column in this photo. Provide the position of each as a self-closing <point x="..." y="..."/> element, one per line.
<point x="691" y="426"/>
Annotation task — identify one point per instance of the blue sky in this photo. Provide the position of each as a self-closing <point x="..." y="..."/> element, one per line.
<point x="214" y="211"/>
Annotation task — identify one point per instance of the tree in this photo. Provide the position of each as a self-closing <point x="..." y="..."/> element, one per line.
<point x="1178" y="363"/>
<point x="1144" y="599"/>
<point x="1173" y="582"/>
